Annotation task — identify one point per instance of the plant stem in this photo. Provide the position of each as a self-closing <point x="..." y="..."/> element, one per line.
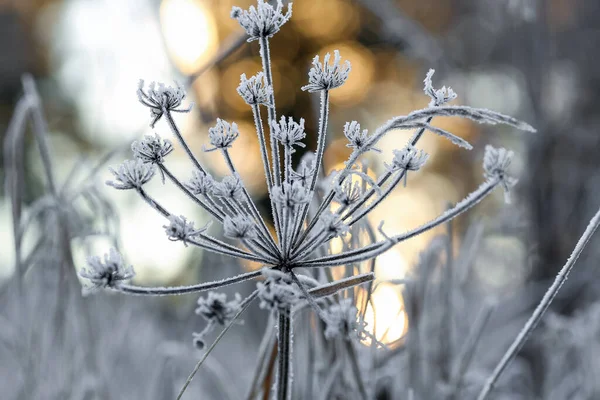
<point x="541" y="309"/>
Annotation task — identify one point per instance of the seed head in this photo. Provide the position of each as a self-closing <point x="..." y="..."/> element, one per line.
<point x="152" y="149"/>
<point x="325" y="76"/>
<point x="131" y="174"/>
<point x="262" y="21"/>
<point x="200" y="183"/>
<point x="347" y="193"/>
<point x="239" y="227"/>
<point x="215" y="307"/>
<point x="180" y="228"/>
<point x="333" y="224"/>
<point x="495" y="164"/>
<point x="291" y="195"/>
<point x="289" y="133"/>
<point x="222" y="135"/>
<point x="305" y="169"/>
<point x="230" y="188"/>
<point x="341" y="321"/>
<point x="409" y="159"/>
<point x="112" y="272"/>
<point x="255" y="90"/>
<point x="358" y="139"/>
<point x="161" y="99"/>
<point x="276" y="294"/>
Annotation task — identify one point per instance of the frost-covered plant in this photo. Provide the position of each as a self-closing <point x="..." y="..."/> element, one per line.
<point x="300" y="236"/>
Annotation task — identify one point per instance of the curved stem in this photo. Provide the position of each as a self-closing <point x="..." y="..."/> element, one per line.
<point x="179" y="290"/>
<point x="541" y="308"/>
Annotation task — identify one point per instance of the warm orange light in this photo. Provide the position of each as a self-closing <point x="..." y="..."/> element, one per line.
<point x="189" y="31"/>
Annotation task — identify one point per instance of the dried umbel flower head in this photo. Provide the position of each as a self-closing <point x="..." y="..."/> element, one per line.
<point x="305" y="169"/>
<point x="239" y="227"/>
<point x="215" y="307"/>
<point x="131" y="174"/>
<point x="348" y="193"/>
<point x="290" y="195"/>
<point x="359" y="140"/>
<point x="341" y="321"/>
<point x="333" y="224"/>
<point x="255" y="90"/>
<point x="262" y="21"/>
<point x="161" y="99"/>
<point x="408" y="159"/>
<point x="289" y="133"/>
<point x="110" y="273"/>
<point x="276" y="295"/>
<point x="152" y="149"/>
<point x="200" y="183"/>
<point x="180" y="229"/>
<point x="325" y="76"/>
<point x="300" y="235"/>
<point x="495" y="164"/>
<point x="230" y="187"/>
<point x="222" y="135"/>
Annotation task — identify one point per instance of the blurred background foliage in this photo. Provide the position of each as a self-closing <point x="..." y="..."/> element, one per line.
<point x="532" y="59"/>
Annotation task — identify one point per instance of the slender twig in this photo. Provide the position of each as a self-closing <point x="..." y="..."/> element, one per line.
<point x="244" y="306"/>
<point x="542" y="307"/>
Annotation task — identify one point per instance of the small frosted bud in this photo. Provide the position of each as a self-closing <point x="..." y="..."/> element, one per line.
<point x="131" y="174"/>
<point x="161" y="99"/>
<point x="326" y="76"/>
<point x="262" y="21"/>
<point x="200" y="183"/>
<point x="276" y="294"/>
<point x="358" y="139"/>
<point x="239" y="227"/>
<point x="222" y="135"/>
<point x="291" y="195"/>
<point x="198" y="340"/>
<point x="112" y="272"/>
<point x="495" y="164"/>
<point x="215" y="307"/>
<point x="230" y="188"/>
<point x="347" y="193"/>
<point x="341" y="321"/>
<point x="438" y="97"/>
<point x="255" y="90"/>
<point x="333" y="225"/>
<point x="289" y="133"/>
<point x="152" y="149"/>
<point x="305" y="169"/>
<point x="408" y="159"/>
<point x="180" y="229"/>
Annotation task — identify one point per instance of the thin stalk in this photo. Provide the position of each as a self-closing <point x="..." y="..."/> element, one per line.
<point x="321" y="141"/>
<point x="268" y="173"/>
<point x="183" y="143"/>
<point x="265" y="56"/>
<point x="245" y="304"/>
<point x="178" y="290"/>
<point x="250" y="203"/>
<point x="214" y="212"/>
<point x="541" y="309"/>
<point x="284" y="348"/>
<point x="353" y="357"/>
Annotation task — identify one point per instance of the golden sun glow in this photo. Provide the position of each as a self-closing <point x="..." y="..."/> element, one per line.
<point x="189" y="31"/>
